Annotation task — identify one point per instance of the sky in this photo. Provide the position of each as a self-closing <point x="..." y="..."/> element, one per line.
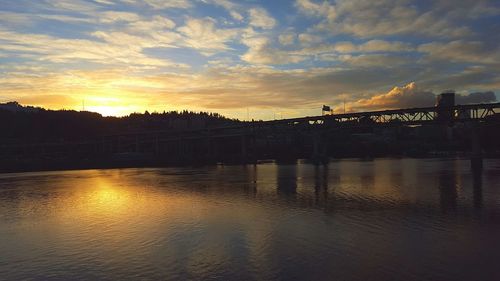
<point x="247" y="59"/>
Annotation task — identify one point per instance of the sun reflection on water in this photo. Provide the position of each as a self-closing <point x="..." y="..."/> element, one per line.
<point x="106" y="197"/>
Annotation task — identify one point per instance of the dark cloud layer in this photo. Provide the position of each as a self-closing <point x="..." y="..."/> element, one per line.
<point x="478" y="97"/>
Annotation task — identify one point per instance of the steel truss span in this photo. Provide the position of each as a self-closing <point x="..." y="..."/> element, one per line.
<point x="410" y="116"/>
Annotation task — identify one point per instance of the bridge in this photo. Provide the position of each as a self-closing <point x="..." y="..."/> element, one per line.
<point x="314" y="137"/>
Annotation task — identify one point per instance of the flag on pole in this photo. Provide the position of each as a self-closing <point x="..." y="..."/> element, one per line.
<point x="326" y="108"/>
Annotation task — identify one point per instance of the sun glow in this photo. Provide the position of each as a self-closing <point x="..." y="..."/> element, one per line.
<point x="109" y="110"/>
<point x="113" y="104"/>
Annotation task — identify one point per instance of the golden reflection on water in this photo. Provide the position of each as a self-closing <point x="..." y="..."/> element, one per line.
<point x="111" y="195"/>
<point x="106" y="198"/>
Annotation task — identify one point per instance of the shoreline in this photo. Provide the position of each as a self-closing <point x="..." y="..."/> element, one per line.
<point x="48" y="165"/>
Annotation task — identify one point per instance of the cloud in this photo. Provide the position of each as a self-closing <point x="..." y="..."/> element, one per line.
<point x="164" y="4"/>
<point x="78" y="6"/>
<point x="462" y="51"/>
<point x="399" y="97"/>
<point x="309" y="39"/>
<point x="49" y="101"/>
<point x="373" y="60"/>
<point x="105" y="2"/>
<point x="66" y="19"/>
<point x="477" y="97"/>
<point x="231" y="7"/>
<point x="50" y="49"/>
<point x="372" y="53"/>
<point x="316" y="9"/>
<point x="113" y="16"/>
<point x="481" y="78"/>
<point x="260" y="51"/>
<point x="384" y="46"/>
<point x="347" y="47"/>
<point x="157" y="23"/>
<point x="366" y="18"/>
<point x="131" y="50"/>
<point x="218" y="89"/>
<point x="410" y="96"/>
<point x="470" y="9"/>
<point x="237" y="16"/>
<point x="372" y="46"/>
<point x="260" y="18"/>
<point x="287" y="38"/>
<point x="203" y="35"/>
<point x="225" y="89"/>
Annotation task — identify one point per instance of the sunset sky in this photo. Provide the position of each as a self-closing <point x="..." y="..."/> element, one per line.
<point x="268" y="58"/>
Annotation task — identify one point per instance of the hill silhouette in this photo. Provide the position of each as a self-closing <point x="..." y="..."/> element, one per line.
<point x="27" y="124"/>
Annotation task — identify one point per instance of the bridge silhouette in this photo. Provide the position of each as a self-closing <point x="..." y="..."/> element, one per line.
<point x="313" y="137"/>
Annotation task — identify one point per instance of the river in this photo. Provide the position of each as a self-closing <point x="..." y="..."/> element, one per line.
<point x="381" y="219"/>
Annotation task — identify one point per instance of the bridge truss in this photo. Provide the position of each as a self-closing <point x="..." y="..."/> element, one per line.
<point x="410" y="116"/>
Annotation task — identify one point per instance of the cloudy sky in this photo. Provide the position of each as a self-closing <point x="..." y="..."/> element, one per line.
<point x="268" y="58"/>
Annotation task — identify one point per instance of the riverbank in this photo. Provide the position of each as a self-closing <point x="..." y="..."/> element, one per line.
<point x="136" y="160"/>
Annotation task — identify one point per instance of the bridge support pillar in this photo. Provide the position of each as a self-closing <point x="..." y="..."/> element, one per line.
<point x="157" y="146"/>
<point x="252" y="158"/>
<point x="248" y="149"/>
<point x="181" y="155"/>
<point x="211" y="151"/>
<point x="319" y="155"/>
<point x="476" y="151"/>
<point x="244" y="149"/>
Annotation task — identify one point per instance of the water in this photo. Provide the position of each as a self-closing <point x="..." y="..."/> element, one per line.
<point x="386" y="219"/>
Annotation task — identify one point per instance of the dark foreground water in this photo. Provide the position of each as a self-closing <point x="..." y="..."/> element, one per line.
<point x="387" y="219"/>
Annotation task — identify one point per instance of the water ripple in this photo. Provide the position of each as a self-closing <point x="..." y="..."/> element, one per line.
<point x="398" y="219"/>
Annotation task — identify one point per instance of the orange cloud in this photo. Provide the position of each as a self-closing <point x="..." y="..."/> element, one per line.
<point x="412" y="96"/>
<point x="399" y="97"/>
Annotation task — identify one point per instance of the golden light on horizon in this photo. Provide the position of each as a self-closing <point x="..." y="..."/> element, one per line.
<point x="112" y="105"/>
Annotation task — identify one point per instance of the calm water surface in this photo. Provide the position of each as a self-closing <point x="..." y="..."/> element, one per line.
<point x="386" y="219"/>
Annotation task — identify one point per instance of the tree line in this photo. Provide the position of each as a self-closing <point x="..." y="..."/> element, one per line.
<point x="33" y="125"/>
